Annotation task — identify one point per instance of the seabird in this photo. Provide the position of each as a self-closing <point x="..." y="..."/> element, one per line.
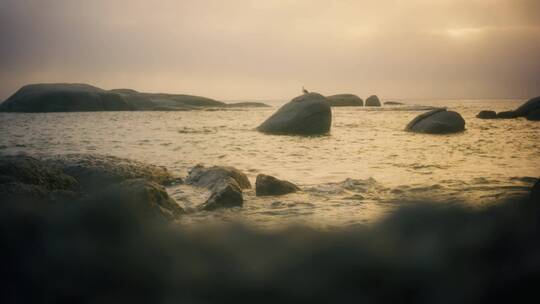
<point x="304" y="90"/>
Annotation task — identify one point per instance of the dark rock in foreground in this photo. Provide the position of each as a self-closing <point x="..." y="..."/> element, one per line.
<point x="373" y="101"/>
<point x="528" y="107"/>
<point x="201" y="176"/>
<point x="507" y="115"/>
<point x="64" y="97"/>
<point x="267" y="185"/>
<point x="535" y="194"/>
<point x="487" y="115"/>
<point x="146" y="197"/>
<point x="393" y="103"/>
<point x="534" y="115"/>
<point x="345" y="100"/>
<point x="307" y="114"/>
<point x="94" y="171"/>
<point x="438" y="121"/>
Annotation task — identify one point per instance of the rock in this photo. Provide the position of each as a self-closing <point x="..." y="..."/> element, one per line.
<point x="64" y="97"/>
<point x="487" y="115"/>
<point x="149" y="198"/>
<point x="307" y="114"/>
<point x="535" y="192"/>
<point x="225" y="194"/>
<point x="438" y="121"/>
<point x="373" y="101"/>
<point x="345" y="100"/>
<point x="534" y="115"/>
<point x="530" y="106"/>
<point x="201" y="176"/>
<point x="94" y="171"/>
<point x="507" y="115"/>
<point x="393" y="103"/>
<point x="167" y="102"/>
<point x="23" y="178"/>
<point x="267" y="185"/>
<point x="247" y="105"/>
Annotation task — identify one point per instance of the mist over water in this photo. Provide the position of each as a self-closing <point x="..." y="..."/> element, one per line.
<point x="363" y="169"/>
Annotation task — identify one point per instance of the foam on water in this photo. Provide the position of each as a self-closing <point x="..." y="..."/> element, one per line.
<point x="364" y="168"/>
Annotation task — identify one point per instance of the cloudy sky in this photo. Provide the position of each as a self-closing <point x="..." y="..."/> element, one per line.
<point x="247" y="49"/>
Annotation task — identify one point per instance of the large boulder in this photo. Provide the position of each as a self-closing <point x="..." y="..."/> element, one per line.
<point x="202" y="176"/>
<point x="373" y="101"/>
<point x="534" y="115"/>
<point x="149" y="198"/>
<point x="487" y="115"/>
<point x="438" y="121"/>
<point x="267" y="185"/>
<point x="94" y="171"/>
<point x="64" y="97"/>
<point x="308" y="114"/>
<point x="528" y="107"/>
<point x="345" y="100"/>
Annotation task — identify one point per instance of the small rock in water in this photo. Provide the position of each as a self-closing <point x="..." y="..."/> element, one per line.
<point x="201" y="176"/>
<point x="267" y="185"/>
<point x="225" y="194"/>
<point x="487" y="115"/>
<point x="345" y="100"/>
<point x="507" y="115"/>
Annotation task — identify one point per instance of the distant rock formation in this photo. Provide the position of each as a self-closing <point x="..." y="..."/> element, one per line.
<point x="345" y="100"/>
<point x="373" y="101"/>
<point x="487" y="115"/>
<point x="393" y="103"/>
<point x="438" y="121"/>
<point x="307" y="114"/>
<point x="528" y="107"/>
<point x="248" y="104"/>
<point x="507" y="115"/>
<point x="64" y="97"/>
<point x="267" y="185"/>
<point x="73" y="97"/>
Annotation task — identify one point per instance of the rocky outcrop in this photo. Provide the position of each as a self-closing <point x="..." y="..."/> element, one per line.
<point x="345" y="100"/>
<point x="373" y="101"/>
<point x="528" y="107"/>
<point x="267" y="185"/>
<point x="94" y="171"/>
<point x="534" y="115"/>
<point x="487" y="115"/>
<point x="167" y="102"/>
<point x="64" y="97"/>
<point x="146" y="197"/>
<point x="438" y="121"/>
<point x="308" y="114"/>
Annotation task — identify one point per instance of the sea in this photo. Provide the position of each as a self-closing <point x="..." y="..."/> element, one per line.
<point x="365" y="168"/>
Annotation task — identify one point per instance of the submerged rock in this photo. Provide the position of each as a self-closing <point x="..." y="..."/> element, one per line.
<point x="373" y="101"/>
<point x="267" y="185"/>
<point x="307" y="114"/>
<point x="345" y="100"/>
<point x="528" y="107"/>
<point x="64" y="97"/>
<point x="201" y="176"/>
<point x="94" y="171"/>
<point x="226" y="193"/>
<point x="438" y="121"/>
<point x="534" y="115"/>
<point x="507" y="115"/>
<point x="487" y="115"/>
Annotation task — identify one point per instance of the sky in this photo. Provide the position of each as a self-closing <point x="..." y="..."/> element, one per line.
<point x="256" y="50"/>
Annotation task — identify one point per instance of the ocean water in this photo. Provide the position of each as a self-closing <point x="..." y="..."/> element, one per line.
<point x="365" y="168"/>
